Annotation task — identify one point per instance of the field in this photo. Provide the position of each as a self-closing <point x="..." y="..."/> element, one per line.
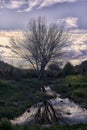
<point x="17" y="96"/>
<point x="74" y="87"/>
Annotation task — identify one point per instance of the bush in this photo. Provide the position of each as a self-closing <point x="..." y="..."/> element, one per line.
<point x="30" y="74"/>
<point x="5" y="124"/>
<point x="53" y="66"/>
<point x="68" y="69"/>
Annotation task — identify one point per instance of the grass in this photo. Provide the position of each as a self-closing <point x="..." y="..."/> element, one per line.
<point x="74" y="87"/>
<point x="56" y="127"/>
<point x="17" y="96"/>
<point x="6" y="125"/>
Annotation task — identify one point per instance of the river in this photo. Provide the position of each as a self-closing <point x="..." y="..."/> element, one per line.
<point x="73" y="113"/>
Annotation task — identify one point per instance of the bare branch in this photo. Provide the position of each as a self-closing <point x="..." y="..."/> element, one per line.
<point x="41" y="44"/>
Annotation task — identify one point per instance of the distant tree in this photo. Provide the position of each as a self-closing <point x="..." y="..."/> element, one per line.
<point x="83" y="67"/>
<point x="68" y="69"/>
<point x="76" y="70"/>
<point x="54" y="70"/>
<point x="53" y="66"/>
<point x="41" y="44"/>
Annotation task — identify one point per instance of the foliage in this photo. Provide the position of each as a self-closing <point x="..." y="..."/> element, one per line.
<point x="54" y="66"/>
<point x="5" y="124"/>
<point x="83" y="67"/>
<point x="17" y="96"/>
<point x="68" y="69"/>
<point x="54" y="71"/>
<point x="74" y="87"/>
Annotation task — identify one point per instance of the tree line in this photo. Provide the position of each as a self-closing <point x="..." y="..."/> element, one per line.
<point x="53" y="70"/>
<point x="43" y="46"/>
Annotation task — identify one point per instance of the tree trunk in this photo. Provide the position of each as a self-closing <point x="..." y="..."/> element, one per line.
<point x="41" y="72"/>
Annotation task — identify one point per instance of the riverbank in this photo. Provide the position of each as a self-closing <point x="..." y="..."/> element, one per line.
<point x="70" y="113"/>
<point x="17" y="96"/>
<point x="73" y="87"/>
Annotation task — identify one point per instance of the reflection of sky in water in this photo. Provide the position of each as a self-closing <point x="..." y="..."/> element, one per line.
<point x="72" y="112"/>
<point x="76" y="52"/>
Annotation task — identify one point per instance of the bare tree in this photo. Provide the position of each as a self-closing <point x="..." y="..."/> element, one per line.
<point x="41" y="44"/>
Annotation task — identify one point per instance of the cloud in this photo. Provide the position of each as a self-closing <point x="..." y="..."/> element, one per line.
<point x="44" y="3"/>
<point x="51" y="2"/>
<point x="30" y="4"/>
<point x="12" y="4"/>
<point x="2" y="3"/>
<point x="70" y="22"/>
<point x="76" y="52"/>
<point x="33" y="3"/>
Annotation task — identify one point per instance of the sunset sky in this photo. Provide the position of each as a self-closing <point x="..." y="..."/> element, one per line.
<point x="15" y="15"/>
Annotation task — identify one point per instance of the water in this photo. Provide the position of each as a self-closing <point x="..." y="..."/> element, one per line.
<point x="70" y="111"/>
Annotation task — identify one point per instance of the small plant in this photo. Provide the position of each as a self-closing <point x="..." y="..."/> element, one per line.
<point x="5" y="124"/>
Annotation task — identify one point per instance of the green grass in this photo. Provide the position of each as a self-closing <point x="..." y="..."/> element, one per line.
<point x="80" y="79"/>
<point x="6" y="125"/>
<point x="74" y="87"/>
<point x="56" y="127"/>
<point x="17" y="96"/>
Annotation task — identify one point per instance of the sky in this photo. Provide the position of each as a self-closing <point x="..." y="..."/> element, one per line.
<point x="15" y="15"/>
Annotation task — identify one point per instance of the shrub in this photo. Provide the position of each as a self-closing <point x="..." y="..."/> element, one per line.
<point x="5" y="124"/>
